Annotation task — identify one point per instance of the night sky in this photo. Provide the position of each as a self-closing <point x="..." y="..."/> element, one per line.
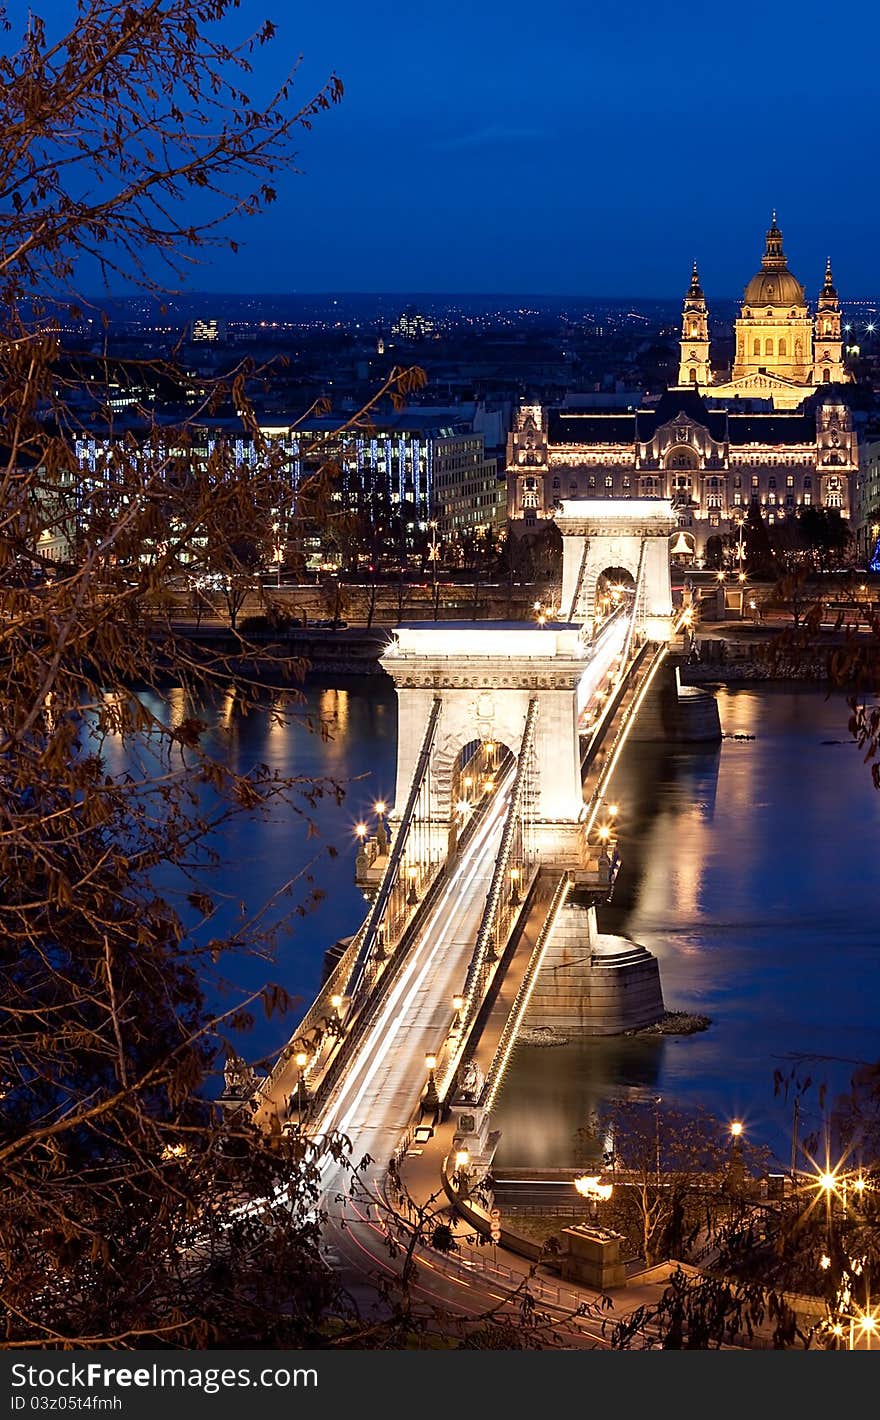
<point x="569" y="148"/>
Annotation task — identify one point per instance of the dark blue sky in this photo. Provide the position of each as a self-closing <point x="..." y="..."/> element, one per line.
<point x="562" y="147"/>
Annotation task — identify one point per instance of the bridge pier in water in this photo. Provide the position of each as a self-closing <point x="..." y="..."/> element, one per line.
<point x="591" y="982"/>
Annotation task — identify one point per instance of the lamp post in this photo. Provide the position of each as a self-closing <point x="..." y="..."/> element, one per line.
<point x="458" y="1007"/>
<point x="657" y="1101"/>
<point x="736" y="1172"/>
<point x="297" y="1099"/>
<point x="430" y="1099"/>
<point x="462" y="1170"/>
<point x="590" y="1186"/>
<point x="381" y="831"/>
<point x="515" y="898"/>
<point x="433" y="558"/>
<point x="412" y="896"/>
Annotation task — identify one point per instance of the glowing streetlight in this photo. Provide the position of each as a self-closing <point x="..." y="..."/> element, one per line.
<point x="590" y="1186"/>
<point x="430" y="1099"/>
<point x="412" y="896"/>
<point x="514" y="887"/>
<point x="361" y="830"/>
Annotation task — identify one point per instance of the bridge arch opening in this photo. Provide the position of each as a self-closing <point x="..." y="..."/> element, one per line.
<point x="476" y="770"/>
<point x="615" y="587"/>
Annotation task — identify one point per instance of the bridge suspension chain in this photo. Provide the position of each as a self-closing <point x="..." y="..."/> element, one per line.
<point x="505" y="895"/>
<point x="412" y="861"/>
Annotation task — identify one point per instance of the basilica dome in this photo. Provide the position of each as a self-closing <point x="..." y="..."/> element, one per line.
<point x="774" y="288"/>
<point x="774" y="284"/>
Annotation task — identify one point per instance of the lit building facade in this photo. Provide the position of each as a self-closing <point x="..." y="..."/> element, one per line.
<point x="866" y="512"/>
<point x="394" y="478"/>
<point x="712" y="462"/>
<point x="774" y="432"/>
<point x="783" y="352"/>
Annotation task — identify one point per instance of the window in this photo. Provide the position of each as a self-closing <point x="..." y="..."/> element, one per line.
<point x="609" y="481"/>
<point x="737" y="482"/>
<point x="782" y="347"/>
<point x="756" y="349"/>
<point x="555" y="484"/>
<point x="808" y="482"/>
<point x="592" y="482"/>
<point x="808" y="498"/>
<point x="768" y="346"/>
<point x="737" y="500"/>
<point x="826" y="377"/>
<point x="789" y="482"/>
<point x="693" y="377"/>
<point x="771" y="482"/>
<point x="754" y="480"/>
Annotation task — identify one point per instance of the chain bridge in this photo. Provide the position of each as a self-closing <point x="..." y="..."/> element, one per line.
<point x="484" y="882"/>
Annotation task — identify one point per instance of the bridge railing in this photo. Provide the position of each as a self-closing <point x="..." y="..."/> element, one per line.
<point x="484" y="953"/>
<point x="507" y="1039"/>
<point x="375" y="926"/>
<point x="622" y="712"/>
<point x="321" y="1023"/>
<point x="325" y="1078"/>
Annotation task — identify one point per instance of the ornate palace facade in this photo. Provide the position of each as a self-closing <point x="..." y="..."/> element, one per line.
<point x="775" y="431"/>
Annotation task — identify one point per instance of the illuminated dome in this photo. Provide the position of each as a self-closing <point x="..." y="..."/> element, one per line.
<point x="774" y="284"/>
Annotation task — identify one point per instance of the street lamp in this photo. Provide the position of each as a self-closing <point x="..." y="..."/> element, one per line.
<point x="381" y="832"/>
<point x="412" y="896"/>
<point x="736" y="1173"/>
<point x="430" y="1099"/>
<point x="462" y="1166"/>
<point x="433" y="558"/>
<point x="515" y="898"/>
<point x="458" y="1007"/>
<point x="297" y="1099"/>
<point x="590" y="1186"/>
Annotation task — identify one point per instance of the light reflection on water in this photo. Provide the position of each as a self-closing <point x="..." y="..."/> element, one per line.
<point x="750" y="872"/>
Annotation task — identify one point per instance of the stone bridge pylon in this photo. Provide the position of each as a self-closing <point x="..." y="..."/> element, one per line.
<point x="487" y="678"/>
<point x="602" y="536"/>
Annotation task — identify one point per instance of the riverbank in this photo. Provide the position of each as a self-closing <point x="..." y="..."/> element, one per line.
<point x="724" y="652"/>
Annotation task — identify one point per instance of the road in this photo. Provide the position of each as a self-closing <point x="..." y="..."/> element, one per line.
<point x="374" y="1103"/>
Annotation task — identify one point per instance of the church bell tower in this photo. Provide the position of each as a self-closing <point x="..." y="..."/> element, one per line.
<point x="694" y="368"/>
<point x="827" y="343"/>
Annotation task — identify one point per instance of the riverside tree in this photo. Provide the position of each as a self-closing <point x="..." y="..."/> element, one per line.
<point x="131" y="1213"/>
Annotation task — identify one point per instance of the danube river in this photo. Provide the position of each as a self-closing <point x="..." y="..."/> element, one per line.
<point x="749" y="870"/>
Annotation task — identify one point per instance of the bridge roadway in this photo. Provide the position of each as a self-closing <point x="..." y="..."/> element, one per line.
<point x="374" y="1103"/>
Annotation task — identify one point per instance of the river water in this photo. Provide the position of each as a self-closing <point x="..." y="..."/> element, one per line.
<point x="749" y="870"/>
